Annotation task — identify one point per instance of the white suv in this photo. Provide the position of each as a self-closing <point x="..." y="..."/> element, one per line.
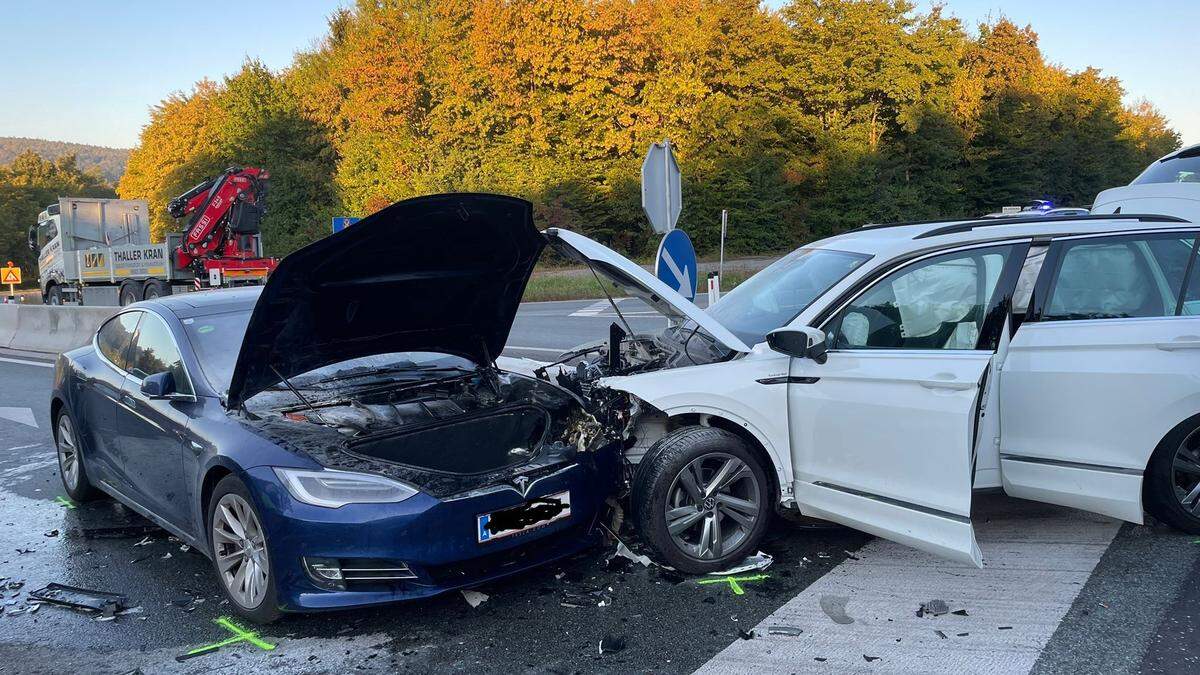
<point x="878" y="377"/>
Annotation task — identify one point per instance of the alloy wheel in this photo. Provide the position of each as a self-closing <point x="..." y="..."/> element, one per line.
<point x="712" y="505"/>
<point x="1186" y="473"/>
<point x="68" y="452"/>
<point x="240" y="550"/>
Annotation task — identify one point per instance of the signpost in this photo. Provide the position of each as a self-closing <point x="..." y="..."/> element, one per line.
<point x="342" y="222"/>
<point x="661" y="194"/>
<point x="12" y="276"/>
<point x="675" y="264"/>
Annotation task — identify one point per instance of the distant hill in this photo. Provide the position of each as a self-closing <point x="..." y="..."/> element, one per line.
<point x="110" y="161"/>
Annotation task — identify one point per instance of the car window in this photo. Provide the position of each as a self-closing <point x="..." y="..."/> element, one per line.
<point x="1183" y="168"/>
<point x="1118" y="277"/>
<point x="216" y="340"/>
<point x="114" y="337"/>
<point x="775" y="295"/>
<point x="154" y="352"/>
<point x="938" y="303"/>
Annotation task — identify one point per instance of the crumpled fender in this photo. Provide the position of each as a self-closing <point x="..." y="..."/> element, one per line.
<point x="730" y="390"/>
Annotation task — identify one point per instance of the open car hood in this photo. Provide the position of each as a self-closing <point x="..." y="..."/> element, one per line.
<point x="443" y="273"/>
<point x="635" y="280"/>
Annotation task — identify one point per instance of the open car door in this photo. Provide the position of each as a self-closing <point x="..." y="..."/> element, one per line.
<point x="884" y="432"/>
<point x="884" y="443"/>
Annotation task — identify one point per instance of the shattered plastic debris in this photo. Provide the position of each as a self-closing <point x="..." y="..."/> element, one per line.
<point x="834" y="607"/>
<point x="960" y="612"/>
<point x="624" y="552"/>
<point x="759" y="561"/>
<point x="746" y="634"/>
<point x="940" y="634"/>
<point x="790" y="631"/>
<point x="933" y="608"/>
<point x="611" y="644"/>
<point x="474" y="598"/>
<point x="869" y="659"/>
<point x="51" y="533"/>
<point x="146" y="541"/>
<point x="81" y="598"/>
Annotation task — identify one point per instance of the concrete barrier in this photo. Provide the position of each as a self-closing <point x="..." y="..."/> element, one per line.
<point x="43" y="328"/>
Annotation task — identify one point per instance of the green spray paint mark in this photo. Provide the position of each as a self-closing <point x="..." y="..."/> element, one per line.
<point x="239" y="635"/>
<point x="64" y="502"/>
<point x="735" y="583"/>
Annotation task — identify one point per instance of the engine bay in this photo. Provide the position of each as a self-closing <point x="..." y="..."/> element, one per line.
<point x="443" y="434"/>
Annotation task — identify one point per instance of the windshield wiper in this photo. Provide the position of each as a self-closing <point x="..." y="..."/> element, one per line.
<point x="384" y="370"/>
<point x="300" y="396"/>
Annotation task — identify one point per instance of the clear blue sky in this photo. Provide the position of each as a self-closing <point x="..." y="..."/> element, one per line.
<point x="89" y="70"/>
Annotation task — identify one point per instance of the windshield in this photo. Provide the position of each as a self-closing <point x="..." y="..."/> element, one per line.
<point x="217" y="339"/>
<point x="1184" y="168"/>
<point x="774" y="296"/>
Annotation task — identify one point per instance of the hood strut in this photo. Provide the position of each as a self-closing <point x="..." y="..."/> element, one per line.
<point x="628" y="329"/>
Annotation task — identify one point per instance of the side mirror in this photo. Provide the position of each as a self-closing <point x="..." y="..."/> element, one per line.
<point x="159" y="385"/>
<point x="802" y="343"/>
<point x="33" y="245"/>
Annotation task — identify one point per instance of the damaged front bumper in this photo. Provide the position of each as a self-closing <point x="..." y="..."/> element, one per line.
<point x="423" y="545"/>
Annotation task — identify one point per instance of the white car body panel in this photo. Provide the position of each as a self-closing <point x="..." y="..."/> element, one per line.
<point x="1176" y="199"/>
<point x="882" y="441"/>
<point x="1086" y="402"/>
<point x="729" y="390"/>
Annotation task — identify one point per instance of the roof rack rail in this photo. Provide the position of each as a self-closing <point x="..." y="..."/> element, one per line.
<point x="1020" y="220"/>
<point x="879" y="226"/>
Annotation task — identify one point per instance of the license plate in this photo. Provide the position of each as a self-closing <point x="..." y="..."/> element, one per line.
<point x="531" y="515"/>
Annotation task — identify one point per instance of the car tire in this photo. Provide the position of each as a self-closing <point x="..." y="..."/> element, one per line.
<point x="155" y="288"/>
<point x="70" y="460"/>
<point x="1171" y="489"/>
<point x="54" y="295"/>
<point x="710" y="531"/>
<point x="129" y="293"/>
<point x="229" y="509"/>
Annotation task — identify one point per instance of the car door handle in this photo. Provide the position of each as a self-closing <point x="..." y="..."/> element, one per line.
<point x="945" y="382"/>
<point x="1184" y="342"/>
<point x="128" y="400"/>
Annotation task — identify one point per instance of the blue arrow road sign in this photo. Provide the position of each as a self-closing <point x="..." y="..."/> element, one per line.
<point x="675" y="265"/>
<point x="342" y="222"/>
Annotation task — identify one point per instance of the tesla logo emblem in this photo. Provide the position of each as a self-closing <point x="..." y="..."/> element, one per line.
<point x="522" y="484"/>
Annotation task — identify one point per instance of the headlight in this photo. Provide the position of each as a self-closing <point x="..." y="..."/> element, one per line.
<point x="334" y="489"/>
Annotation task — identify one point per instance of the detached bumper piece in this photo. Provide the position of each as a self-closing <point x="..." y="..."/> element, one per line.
<point x="341" y="574"/>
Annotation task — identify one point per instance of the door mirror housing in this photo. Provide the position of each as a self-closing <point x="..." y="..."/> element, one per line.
<point x="804" y="342"/>
<point x="159" y="385"/>
<point x="33" y="242"/>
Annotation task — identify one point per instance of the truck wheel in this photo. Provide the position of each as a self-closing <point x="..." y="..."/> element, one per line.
<point x="54" y="296"/>
<point x="131" y="292"/>
<point x="155" y="288"/>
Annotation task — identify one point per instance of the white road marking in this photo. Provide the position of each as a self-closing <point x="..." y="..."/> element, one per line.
<point x="20" y="416"/>
<point x="30" y="467"/>
<point x="592" y="309"/>
<point x="43" y="364"/>
<point x="1036" y="560"/>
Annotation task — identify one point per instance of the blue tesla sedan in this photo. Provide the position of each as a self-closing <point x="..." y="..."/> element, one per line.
<point x="342" y="436"/>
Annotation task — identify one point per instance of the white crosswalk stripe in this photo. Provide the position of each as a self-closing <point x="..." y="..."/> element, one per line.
<point x="593" y="309"/>
<point x="1036" y="560"/>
